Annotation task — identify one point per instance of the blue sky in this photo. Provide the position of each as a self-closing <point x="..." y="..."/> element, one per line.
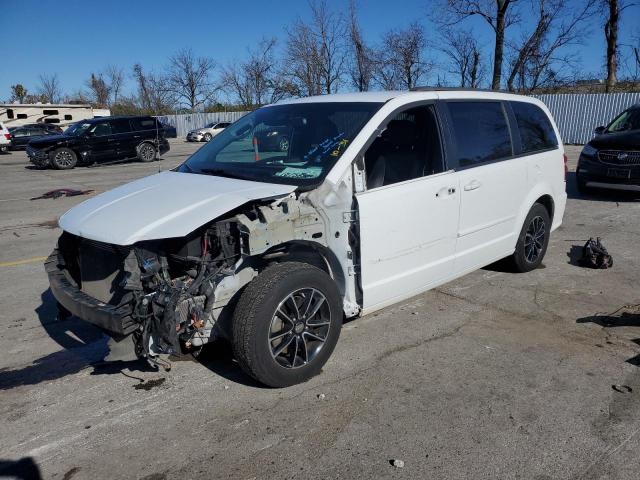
<point x="74" y="38"/>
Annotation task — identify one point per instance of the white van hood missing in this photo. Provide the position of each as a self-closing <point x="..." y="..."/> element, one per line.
<point x="165" y="205"/>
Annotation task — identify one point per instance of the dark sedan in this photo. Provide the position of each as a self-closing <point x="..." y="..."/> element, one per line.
<point x="612" y="159"/>
<point x="23" y="134"/>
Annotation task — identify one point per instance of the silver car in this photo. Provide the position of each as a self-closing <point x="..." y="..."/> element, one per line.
<point x="207" y="132"/>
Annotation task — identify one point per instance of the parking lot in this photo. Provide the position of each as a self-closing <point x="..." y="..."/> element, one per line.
<point x="495" y="375"/>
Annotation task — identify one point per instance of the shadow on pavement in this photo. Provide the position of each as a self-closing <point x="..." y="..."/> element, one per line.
<point x="24" y="469"/>
<point x="83" y="345"/>
<point x="218" y="357"/>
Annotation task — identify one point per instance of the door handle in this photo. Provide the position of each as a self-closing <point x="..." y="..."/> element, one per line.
<point x="472" y="186"/>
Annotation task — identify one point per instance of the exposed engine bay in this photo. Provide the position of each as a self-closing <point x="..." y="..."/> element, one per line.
<point x="172" y="293"/>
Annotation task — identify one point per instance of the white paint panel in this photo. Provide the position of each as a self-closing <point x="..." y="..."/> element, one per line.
<point x="165" y="205"/>
<point x="407" y="237"/>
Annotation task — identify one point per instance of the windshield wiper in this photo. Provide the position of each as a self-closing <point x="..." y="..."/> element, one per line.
<point x="219" y="172"/>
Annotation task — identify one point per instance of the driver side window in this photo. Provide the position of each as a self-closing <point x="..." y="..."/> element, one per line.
<point x="408" y="148"/>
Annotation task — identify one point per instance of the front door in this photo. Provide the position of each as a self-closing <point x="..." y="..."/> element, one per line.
<point x="102" y="143"/>
<point x="408" y="216"/>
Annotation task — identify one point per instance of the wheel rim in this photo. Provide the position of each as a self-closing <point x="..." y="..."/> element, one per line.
<point x="299" y="328"/>
<point x="284" y="145"/>
<point x="147" y="152"/>
<point x="63" y="158"/>
<point x="207" y="137"/>
<point x="534" y="239"/>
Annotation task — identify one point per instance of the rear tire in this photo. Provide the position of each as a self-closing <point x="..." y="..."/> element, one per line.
<point x="147" y="152"/>
<point x="533" y="240"/>
<point x="286" y="324"/>
<point x="64" y="159"/>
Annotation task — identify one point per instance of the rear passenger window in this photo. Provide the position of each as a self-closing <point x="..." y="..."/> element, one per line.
<point x="120" y="126"/>
<point x="143" y="123"/>
<point x="536" y="132"/>
<point x="481" y="133"/>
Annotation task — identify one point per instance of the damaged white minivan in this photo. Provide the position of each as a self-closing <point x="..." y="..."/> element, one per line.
<point x="375" y="198"/>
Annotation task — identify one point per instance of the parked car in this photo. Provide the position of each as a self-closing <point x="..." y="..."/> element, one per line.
<point x="207" y="132"/>
<point x="274" y="139"/>
<point x="22" y="135"/>
<point x="100" y="140"/>
<point x="5" y="138"/>
<point x="612" y="159"/>
<point x="379" y="197"/>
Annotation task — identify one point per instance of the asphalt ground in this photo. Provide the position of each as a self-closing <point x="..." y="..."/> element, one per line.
<point x="494" y="375"/>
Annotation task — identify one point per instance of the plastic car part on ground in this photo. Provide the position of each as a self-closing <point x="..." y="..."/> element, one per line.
<point x="62" y="192"/>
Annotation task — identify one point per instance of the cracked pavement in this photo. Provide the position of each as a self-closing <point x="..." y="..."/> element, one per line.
<point x="494" y="375"/>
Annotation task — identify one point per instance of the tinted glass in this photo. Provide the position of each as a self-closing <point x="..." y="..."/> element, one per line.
<point x="100" y="129"/>
<point x="481" y="132"/>
<point x="295" y="144"/>
<point x="143" y="123"/>
<point x="120" y="126"/>
<point x="536" y="132"/>
<point x="20" y="132"/>
<point x="626" y="121"/>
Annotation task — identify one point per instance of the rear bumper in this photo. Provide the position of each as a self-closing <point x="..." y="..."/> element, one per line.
<point x="114" y="319"/>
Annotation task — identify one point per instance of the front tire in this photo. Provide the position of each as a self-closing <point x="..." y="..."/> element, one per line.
<point x="64" y="159"/>
<point x="286" y="324"/>
<point x="207" y="137"/>
<point x="533" y="240"/>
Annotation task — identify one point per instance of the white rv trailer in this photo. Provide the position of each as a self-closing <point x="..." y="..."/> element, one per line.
<point x="63" y="115"/>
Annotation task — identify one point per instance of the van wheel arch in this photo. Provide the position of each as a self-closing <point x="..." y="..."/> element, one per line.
<point x="547" y="202"/>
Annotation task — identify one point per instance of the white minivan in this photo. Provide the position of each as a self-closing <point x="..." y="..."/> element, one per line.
<point x="377" y="197"/>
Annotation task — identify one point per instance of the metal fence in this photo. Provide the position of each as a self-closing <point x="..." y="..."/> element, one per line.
<point x="191" y="121"/>
<point x="578" y="114"/>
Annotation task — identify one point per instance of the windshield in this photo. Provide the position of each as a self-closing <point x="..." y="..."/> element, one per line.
<point x="209" y="125"/>
<point x="295" y="144"/>
<point x="77" y="129"/>
<point x="627" y="120"/>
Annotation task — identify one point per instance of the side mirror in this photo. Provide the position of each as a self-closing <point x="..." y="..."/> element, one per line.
<point x="599" y="130"/>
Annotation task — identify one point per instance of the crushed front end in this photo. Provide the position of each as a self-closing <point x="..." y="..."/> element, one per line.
<point x="161" y="291"/>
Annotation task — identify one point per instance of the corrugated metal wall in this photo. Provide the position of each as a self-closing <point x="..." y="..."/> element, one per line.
<point x="578" y="114"/>
<point x="184" y="123"/>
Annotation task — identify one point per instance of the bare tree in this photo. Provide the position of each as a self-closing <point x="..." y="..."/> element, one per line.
<point x="463" y="52"/>
<point x="401" y="62"/>
<point x="498" y="14"/>
<point x="18" y="93"/>
<point x="315" y="52"/>
<point x="99" y="90"/>
<point x="362" y="61"/>
<point x="115" y="79"/>
<point x="154" y="95"/>
<point x="189" y="79"/>
<point x="256" y="81"/>
<point x="536" y="56"/>
<point x="49" y="88"/>
<point x="611" y="11"/>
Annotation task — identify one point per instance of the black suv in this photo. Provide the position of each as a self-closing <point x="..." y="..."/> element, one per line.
<point x="100" y="140"/>
<point x="612" y="158"/>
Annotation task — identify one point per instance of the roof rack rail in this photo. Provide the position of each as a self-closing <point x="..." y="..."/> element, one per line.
<point x="453" y="89"/>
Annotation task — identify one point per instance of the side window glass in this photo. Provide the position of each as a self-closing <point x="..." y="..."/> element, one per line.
<point x="536" y="132"/>
<point x="143" y="123"/>
<point x="408" y="148"/>
<point x="120" y="126"/>
<point x="100" y="129"/>
<point x="480" y="131"/>
<point x="20" y="132"/>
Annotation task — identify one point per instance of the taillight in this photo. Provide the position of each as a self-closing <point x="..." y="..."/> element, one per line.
<point x="566" y="166"/>
<point x="7" y="136"/>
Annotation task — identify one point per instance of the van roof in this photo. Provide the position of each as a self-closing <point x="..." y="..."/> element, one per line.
<point x="418" y="92"/>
